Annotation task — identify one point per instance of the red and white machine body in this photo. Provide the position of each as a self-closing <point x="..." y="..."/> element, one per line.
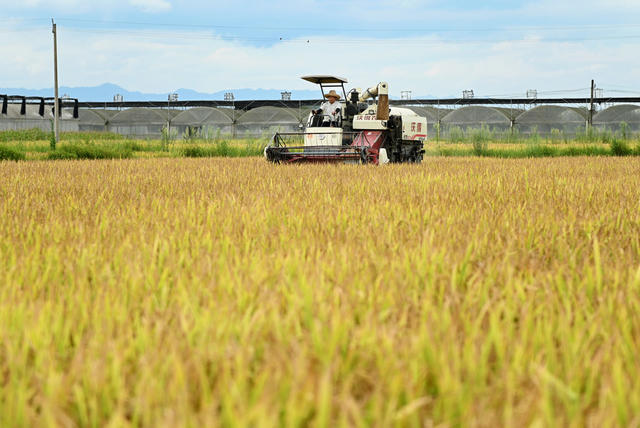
<point x="368" y="133"/>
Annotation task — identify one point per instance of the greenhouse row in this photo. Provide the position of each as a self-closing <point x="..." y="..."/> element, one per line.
<point x="264" y="121"/>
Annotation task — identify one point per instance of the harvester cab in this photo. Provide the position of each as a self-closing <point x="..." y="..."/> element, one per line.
<point x="365" y="130"/>
<point x="322" y="130"/>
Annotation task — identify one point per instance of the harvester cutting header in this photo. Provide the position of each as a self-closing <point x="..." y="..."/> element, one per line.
<point x="353" y="130"/>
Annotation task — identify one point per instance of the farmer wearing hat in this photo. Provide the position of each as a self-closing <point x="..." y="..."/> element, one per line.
<point x="330" y="109"/>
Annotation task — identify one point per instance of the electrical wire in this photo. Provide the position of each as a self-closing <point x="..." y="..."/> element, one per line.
<point x="359" y="29"/>
<point x="411" y="41"/>
<point x="388" y="41"/>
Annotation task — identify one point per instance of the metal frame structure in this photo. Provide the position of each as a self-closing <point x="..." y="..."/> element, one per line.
<point x="250" y="104"/>
<point x="41" y="101"/>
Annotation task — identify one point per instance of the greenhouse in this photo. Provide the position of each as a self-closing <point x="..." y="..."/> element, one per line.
<point x="432" y="114"/>
<point x="107" y="113"/>
<point x="13" y="120"/>
<point x="92" y="120"/>
<point x="141" y="122"/>
<point x="614" y="117"/>
<point x="204" y="121"/>
<point x="265" y="121"/>
<point x="511" y="113"/>
<point x="547" y="119"/>
<point x="268" y="120"/>
<point x="475" y="117"/>
<point x="302" y="114"/>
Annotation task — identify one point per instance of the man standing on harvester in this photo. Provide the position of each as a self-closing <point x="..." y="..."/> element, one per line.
<point x="329" y="110"/>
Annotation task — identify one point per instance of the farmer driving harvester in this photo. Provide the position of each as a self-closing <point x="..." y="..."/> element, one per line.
<point x="329" y="111"/>
<point x="352" y="130"/>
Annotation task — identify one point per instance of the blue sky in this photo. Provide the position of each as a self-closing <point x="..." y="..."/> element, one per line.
<point x="430" y="47"/>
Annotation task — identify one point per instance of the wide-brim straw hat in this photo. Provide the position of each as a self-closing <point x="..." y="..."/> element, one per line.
<point x="332" y="93"/>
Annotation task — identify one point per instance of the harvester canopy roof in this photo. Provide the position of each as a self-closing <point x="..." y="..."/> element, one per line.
<point x="322" y="79"/>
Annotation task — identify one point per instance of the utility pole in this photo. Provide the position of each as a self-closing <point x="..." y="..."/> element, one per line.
<point x="172" y="97"/>
<point x="56" y="108"/>
<point x="593" y="90"/>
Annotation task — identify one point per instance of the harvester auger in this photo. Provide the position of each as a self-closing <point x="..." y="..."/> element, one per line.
<point x="358" y="132"/>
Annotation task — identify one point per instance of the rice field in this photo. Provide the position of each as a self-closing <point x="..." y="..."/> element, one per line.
<point x="232" y="292"/>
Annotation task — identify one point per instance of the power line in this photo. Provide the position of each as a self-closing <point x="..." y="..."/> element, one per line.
<point x="620" y="88"/>
<point x="429" y="30"/>
<point x="154" y="34"/>
<point x="337" y="41"/>
<point x="554" y="92"/>
<point x="621" y="92"/>
<point x="360" y="29"/>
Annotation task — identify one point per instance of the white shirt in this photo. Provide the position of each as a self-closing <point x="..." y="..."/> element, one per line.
<point x="329" y="109"/>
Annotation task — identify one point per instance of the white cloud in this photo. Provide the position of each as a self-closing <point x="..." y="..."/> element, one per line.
<point x="52" y="3"/>
<point x="160" y="61"/>
<point x="151" y="5"/>
<point x="75" y="8"/>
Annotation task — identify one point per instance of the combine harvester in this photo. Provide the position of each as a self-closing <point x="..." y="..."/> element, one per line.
<point x="361" y="132"/>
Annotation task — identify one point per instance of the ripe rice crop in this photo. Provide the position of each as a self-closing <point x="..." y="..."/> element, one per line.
<point x="223" y="292"/>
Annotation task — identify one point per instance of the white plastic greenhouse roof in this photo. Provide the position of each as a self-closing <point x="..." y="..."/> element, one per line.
<point x="31" y="110"/>
<point x="91" y="117"/>
<point x="432" y="114"/>
<point x="202" y="116"/>
<point x="620" y="113"/>
<point x="475" y="115"/>
<point x="106" y="114"/>
<point x="141" y="115"/>
<point x="269" y="115"/>
<point x="551" y="115"/>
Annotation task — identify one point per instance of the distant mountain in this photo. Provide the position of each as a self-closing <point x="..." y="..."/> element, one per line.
<point x="106" y="91"/>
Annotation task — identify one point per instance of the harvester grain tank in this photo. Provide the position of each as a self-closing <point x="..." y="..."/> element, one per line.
<point x="362" y="132"/>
